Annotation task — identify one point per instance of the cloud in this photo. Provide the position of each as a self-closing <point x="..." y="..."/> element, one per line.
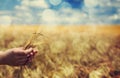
<point x="70" y="16"/>
<point x="55" y="2"/>
<point x="40" y="12"/>
<point x="5" y="20"/>
<point x="35" y="3"/>
<point x="102" y="11"/>
<point x="21" y="8"/>
<point x="5" y="12"/>
<point x="24" y="14"/>
<point x="63" y="16"/>
<point x="93" y="12"/>
<point x="91" y="3"/>
<point x="23" y="17"/>
<point x="49" y="16"/>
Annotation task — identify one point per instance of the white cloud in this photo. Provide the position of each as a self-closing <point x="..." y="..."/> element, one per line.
<point x="91" y="3"/>
<point x="63" y="16"/>
<point x="7" y="20"/>
<point x="49" y="16"/>
<point x="118" y="10"/>
<point x="5" y="12"/>
<point x="114" y="17"/>
<point x="35" y="3"/>
<point x="55" y="2"/>
<point x="23" y="18"/>
<point x="107" y="13"/>
<point x="22" y="8"/>
<point x="101" y="3"/>
<point x="25" y="14"/>
<point x="70" y="16"/>
<point x="25" y="2"/>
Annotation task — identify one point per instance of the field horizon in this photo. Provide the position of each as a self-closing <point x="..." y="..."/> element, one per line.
<point x="108" y="29"/>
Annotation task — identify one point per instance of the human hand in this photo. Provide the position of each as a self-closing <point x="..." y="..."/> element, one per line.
<point x="18" y="56"/>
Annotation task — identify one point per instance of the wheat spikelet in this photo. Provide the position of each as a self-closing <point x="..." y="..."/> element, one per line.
<point x="29" y="44"/>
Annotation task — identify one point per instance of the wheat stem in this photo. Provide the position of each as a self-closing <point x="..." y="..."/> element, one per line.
<point x="27" y="46"/>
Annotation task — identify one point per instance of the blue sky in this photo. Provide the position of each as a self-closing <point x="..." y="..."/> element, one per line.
<point x="57" y="12"/>
<point x="8" y="4"/>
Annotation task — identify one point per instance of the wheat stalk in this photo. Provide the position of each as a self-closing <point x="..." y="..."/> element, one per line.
<point x="28" y="45"/>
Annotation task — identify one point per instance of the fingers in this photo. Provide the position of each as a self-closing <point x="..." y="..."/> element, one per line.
<point x="22" y="52"/>
<point x="23" y="56"/>
<point x="24" y="61"/>
<point x="35" y="51"/>
<point x="21" y="62"/>
<point x="26" y="53"/>
<point x="28" y="50"/>
<point x="32" y="54"/>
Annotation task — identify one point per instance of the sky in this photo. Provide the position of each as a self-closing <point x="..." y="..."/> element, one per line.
<point x="59" y="12"/>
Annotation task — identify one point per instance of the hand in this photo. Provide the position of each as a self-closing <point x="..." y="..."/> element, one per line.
<point x="30" y="56"/>
<point x="18" y="56"/>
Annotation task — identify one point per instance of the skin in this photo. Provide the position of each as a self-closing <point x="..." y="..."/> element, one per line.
<point x="17" y="56"/>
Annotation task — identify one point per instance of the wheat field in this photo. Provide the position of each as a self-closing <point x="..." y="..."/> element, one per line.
<point x="65" y="51"/>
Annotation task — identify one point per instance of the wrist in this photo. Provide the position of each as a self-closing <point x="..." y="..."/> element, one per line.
<point x="2" y="58"/>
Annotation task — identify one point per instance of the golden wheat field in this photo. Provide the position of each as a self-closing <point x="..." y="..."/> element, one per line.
<point x="65" y="51"/>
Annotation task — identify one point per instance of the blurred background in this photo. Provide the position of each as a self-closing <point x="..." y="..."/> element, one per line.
<point x="59" y="12"/>
<point x="80" y="38"/>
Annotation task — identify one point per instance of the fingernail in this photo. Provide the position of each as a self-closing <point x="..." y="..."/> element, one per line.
<point x="31" y="53"/>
